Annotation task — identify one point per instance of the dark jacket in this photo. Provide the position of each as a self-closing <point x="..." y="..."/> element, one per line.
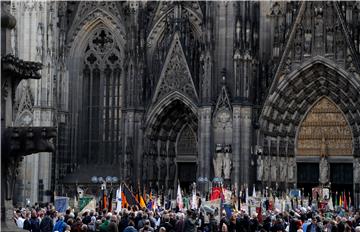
<point x="308" y="228"/>
<point x="33" y="225"/>
<point x="189" y="225"/>
<point x="46" y="224"/>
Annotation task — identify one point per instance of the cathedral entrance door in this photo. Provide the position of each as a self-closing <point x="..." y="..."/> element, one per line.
<point x="186" y="175"/>
<point x="186" y="158"/>
<point x="307" y="176"/>
<point x="341" y="178"/>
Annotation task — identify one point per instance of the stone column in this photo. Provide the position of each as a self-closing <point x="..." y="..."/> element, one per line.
<point x="128" y="136"/>
<point x="205" y="146"/>
<point x="356" y="178"/>
<point x="236" y="147"/>
<point x="245" y="142"/>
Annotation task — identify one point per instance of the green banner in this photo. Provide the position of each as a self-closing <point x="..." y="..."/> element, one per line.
<point x="83" y="201"/>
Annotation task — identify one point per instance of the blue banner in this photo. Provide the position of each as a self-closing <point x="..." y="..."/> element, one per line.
<point x="61" y="204"/>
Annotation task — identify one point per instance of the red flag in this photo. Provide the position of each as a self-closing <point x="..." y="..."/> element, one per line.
<point x="345" y="202"/>
<point x="258" y="211"/>
<point x="215" y="193"/>
<point x="349" y="200"/>
<point x="104" y="200"/>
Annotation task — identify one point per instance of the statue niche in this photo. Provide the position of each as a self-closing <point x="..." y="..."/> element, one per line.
<point x="223" y="134"/>
<point x="222" y="161"/>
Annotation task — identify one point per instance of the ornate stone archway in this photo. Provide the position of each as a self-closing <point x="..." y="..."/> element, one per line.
<point x="287" y="106"/>
<point x="164" y="133"/>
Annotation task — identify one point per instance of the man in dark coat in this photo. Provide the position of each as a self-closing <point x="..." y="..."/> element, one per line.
<point x="47" y="223"/>
<point x="313" y="227"/>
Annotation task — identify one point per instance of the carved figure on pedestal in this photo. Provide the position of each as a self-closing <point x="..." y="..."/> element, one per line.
<point x="266" y="169"/>
<point x="291" y="170"/>
<point x="172" y="168"/>
<point x="324" y="170"/>
<point x="260" y="167"/>
<point x="217" y="161"/>
<point x="283" y="169"/>
<point x="227" y="163"/>
<point x="357" y="170"/>
<point x="274" y="168"/>
<point x="324" y="165"/>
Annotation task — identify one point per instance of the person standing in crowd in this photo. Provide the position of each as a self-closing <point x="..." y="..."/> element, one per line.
<point x="313" y="227"/>
<point x="60" y="225"/>
<point x="104" y="226"/>
<point x="19" y="217"/>
<point x="46" y="224"/>
<point x="130" y="227"/>
<point x="190" y="222"/>
<point x="32" y="224"/>
<point x="179" y="225"/>
<point x="113" y="226"/>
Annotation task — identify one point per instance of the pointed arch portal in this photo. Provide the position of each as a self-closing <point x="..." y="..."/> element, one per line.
<point x="171" y="133"/>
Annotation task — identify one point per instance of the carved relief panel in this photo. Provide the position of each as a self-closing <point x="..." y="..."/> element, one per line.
<point x="324" y="132"/>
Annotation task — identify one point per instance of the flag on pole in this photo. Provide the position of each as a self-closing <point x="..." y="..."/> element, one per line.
<point x="345" y="202"/>
<point x="87" y="204"/>
<point x="150" y="202"/>
<point x="340" y="201"/>
<point x="336" y="199"/>
<point x="215" y="193"/>
<point x="194" y="200"/>
<point x="330" y="203"/>
<point x="118" y="199"/>
<point x="130" y="198"/>
<point x="179" y="199"/>
<point x="246" y="194"/>
<point x="104" y="199"/>
<point x="349" y="200"/>
<point x="142" y="202"/>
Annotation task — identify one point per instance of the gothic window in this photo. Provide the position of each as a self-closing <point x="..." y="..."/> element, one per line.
<point x="186" y="145"/>
<point x="101" y="98"/>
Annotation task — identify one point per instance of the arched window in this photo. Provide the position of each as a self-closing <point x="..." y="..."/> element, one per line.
<point x="101" y="98"/>
<point x="186" y="145"/>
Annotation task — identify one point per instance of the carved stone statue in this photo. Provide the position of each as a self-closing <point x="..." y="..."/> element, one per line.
<point x="222" y="161"/>
<point x="324" y="170"/>
<point x="357" y="170"/>
<point x="266" y="169"/>
<point x="291" y="170"/>
<point x="260" y="167"/>
<point x="227" y="165"/>
<point x="217" y="162"/>
<point x="283" y="169"/>
<point x="274" y="168"/>
<point x="172" y="168"/>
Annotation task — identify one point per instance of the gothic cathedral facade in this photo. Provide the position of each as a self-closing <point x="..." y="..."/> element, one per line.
<point x="254" y="93"/>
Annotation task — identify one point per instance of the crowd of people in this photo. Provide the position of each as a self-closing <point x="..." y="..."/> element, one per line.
<point x="133" y="219"/>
